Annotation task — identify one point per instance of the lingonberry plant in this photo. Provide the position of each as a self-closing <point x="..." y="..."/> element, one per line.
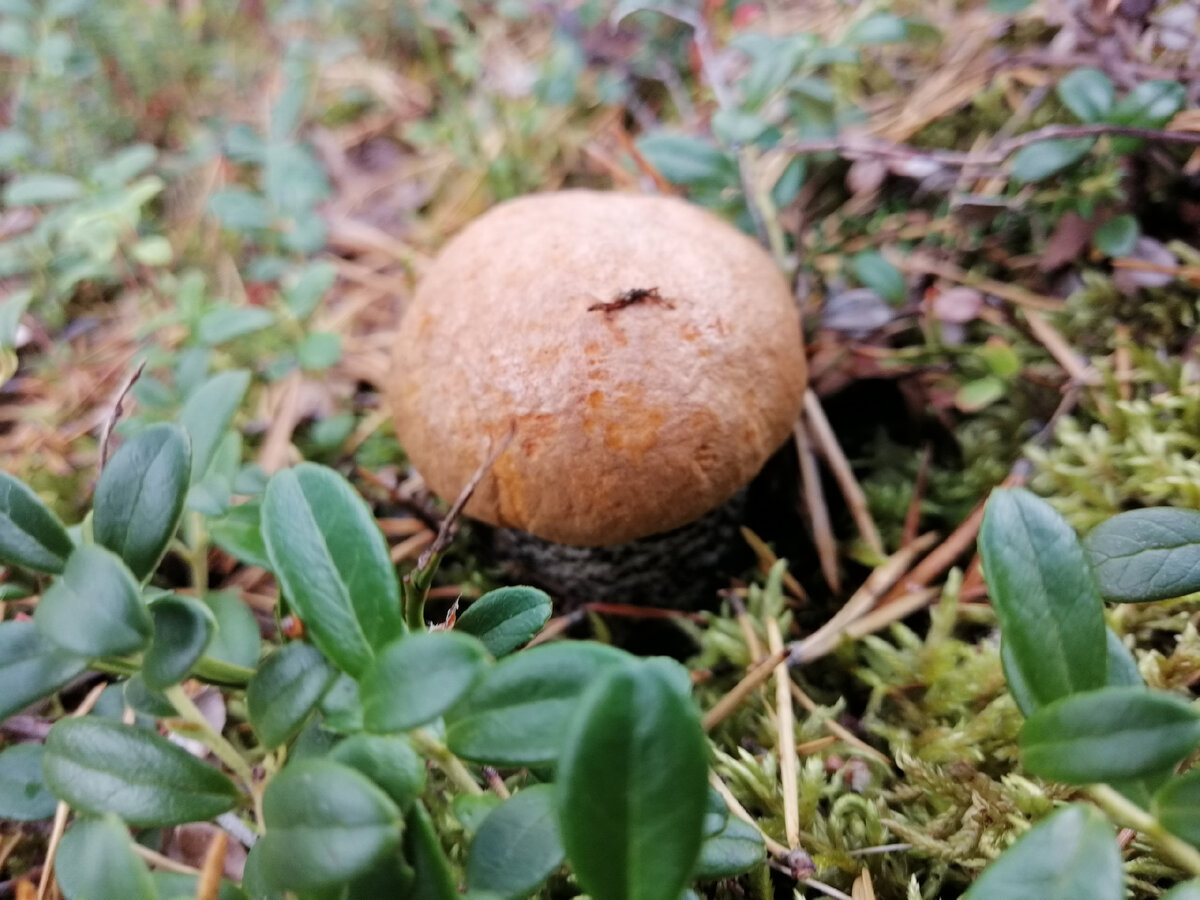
<point x="1090" y="718"/>
<point x="328" y="784"/>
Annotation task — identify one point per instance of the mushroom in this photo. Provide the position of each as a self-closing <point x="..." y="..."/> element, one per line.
<point x="639" y="359"/>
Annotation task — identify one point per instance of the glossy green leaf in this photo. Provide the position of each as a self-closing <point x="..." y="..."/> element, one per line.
<point x="1110" y="734"/>
<point x="1146" y="554"/>
<point x="1118" y="236"/>
<point x="1088" y="93"/>
<point x="139" y="497"/>
<point x="682" y="159"/>
<point x="326" y="824"/>
<point x="472" y="809"/>
<point x="517" y="714"/>
<point x="240" y="210"/>
<point x="517" y="846"/>
<point x="224" y="323"/>
<point x="341" y="707"/>
<point x="432" y="878"/>
<point x="23" y="794"/>
<point x="207" y="413"/>
<point x="716" y="813"/>
<point x="96" y="859"/>
<point x="1176" y="805"/>
<point x="237" y="639"/>
<point x="735" y="127"/>
<point x="41" y="188"/>
<point x="1043" y="159"/>
<point x="1045" y="596"/>
<point x="506" y="618"/>
<point x="99" y="766"/>
<point x="30" y="534"/>
<point x="238" y="532"/>
<point x="1189" y="890"/>
<point x="312" y="283"/>
<point x="1122" y="672"/>
<point x="31" y="667"/>
<point x="183" y="628"/>
<point x="980" y="393"/>
<point x="631" y="786"/>
<point x="389" y="761"/>
<point x="1149" y="105"/>
<point x="876" y="273"/>
<point x="879" y="28"/>
<point x="1071" y="854"/>
<point x="418" y="677"/>
<point x="733" y="850"/>
<point x="95" y="608"/>
<point x="332" y="563"/>
<point x="285" y="690"/>
<point x="319" y="350"/>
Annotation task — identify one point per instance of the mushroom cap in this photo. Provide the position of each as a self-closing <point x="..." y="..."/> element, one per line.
<point x="641" y="357"/>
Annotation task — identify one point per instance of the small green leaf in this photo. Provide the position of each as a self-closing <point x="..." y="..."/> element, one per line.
<point x="332" y="564"/>
<point x="240" y="210"/>
<point x="23" y="794"/>
<point x="227" y="323"/>
<point x="139" y="497"/>
<point x="99" y="766"/>
<point x="183" y="627"/>
<point x="285" y="690"/>
<point x="184" y="887"/>
<point x="517" y="714"/>
<point x="735" y="849"/>
<point x="1111" y="734"/>
<point x="341" y="707"/>
<point x="432" y="878"/>
<point x="1149" y="105"/>
<point x="1118" y="236"/>
<point x="1189" y="890"/>
<point x="682" y="159"/>
<point x="631" y="786"/>
<point x="418" y="677"/>
<point x="207" y="413"/>
<point x="237" y="639"/>
<point x="239" y="534"/>
<point x="1071" y="853"/>
<point x="1051" y="616"/>
<point x="735" y="127"/>
<point x="517" y="846"/>
<point x="94" y="608"/>
<point x="980" y="393"/>
<point x="154" y="251"/>
<point x="41" y="188"/>
<point x="1088" y="93"/>
<point x="326" y="824"/>
<point x="30" y="534"/>
<point x="319" y="350"/>
<point x="96" y="859"/>
<point x="389" y="761"/>
<point x="1176" y="805"/>
<point x="472" y="809"/>
<point x="879" y="28"/>
<point x="506" y="618"/>
<point x="313" y="282"/>
<point x="1043" y="159"/>
<point x="876" y="273"/>
<point x="1146" y="554"/>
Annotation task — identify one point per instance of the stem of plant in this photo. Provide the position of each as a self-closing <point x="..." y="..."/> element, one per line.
<point x="197" y="536"/>
<point x="1129" y="814"/>
<point x="221" y="748"/>
<point x="431" y="747"/>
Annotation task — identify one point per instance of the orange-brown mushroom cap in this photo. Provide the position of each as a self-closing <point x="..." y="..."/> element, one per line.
<point x="642" y="358"/>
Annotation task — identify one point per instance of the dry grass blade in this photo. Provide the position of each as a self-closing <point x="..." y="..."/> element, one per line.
<point x="838" y="730"/>
<point x="912" y="517"/>
<point x="863" y="888"/>
<point x="118" y="407"/>
<point x="786" y="743"/>
<point x="818" y="512"/>
<point x="883" y="577"/>
<point x="921" y="264"/>
<point x="831" y="450"/>
<point x="767" y="558"/>
<point x="754" y="679"/>
<point x="773" y="846"/>
<point x="1064" y="354"/>
<point x="284" y="415"/>
<point x="746" y="626"/>
<point x="883" y="616"/>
